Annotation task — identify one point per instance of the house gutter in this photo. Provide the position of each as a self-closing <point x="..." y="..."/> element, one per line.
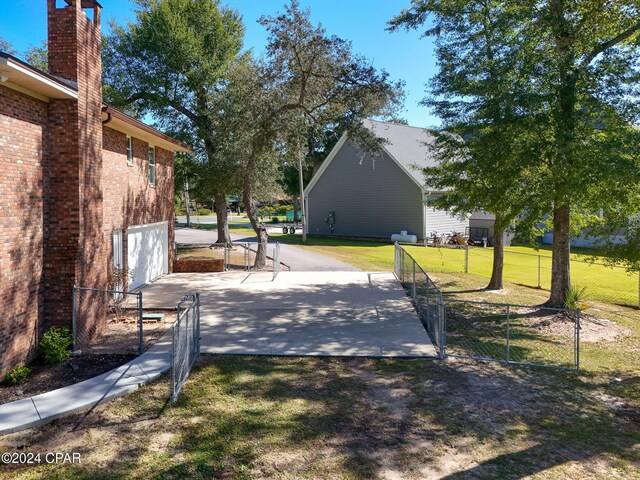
<point x="105" y="109"/>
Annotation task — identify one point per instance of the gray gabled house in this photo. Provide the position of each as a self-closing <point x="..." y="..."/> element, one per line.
<point x="377" y="195"/>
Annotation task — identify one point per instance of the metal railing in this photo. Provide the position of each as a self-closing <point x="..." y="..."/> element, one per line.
<point x="509" y="333"/>
<point x="427" y="297"/>
<point x="107" y="321"/>
<point x="185" y="346"/>
<point x="276" y="260"/>
<point x="241" y="255"/>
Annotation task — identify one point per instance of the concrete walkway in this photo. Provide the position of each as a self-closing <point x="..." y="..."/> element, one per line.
<point x="297" y="313"/>
<point x="44" y="408"/>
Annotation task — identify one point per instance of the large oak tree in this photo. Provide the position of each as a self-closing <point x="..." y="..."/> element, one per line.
<point x="171" y="62"/>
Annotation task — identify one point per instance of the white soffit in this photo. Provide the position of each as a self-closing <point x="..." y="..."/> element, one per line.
<point x="21" y="76"/>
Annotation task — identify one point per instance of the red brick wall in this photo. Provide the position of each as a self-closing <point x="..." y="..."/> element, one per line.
<point x="128" y="198"/>
<point x="75" y="250"/>
<point x="23" y="121"/>
<point x="62" y="195"/>
<point x="198" y="265"/>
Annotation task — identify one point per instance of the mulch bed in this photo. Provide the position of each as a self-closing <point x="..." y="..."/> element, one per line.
<point x="44" y="378"/>
<point x="117" y="345"/>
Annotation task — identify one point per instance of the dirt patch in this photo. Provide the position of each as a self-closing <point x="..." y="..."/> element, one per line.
<point x="121" y="334"/>
<point x="592" y="328"/>
<point x="44" y="378"/>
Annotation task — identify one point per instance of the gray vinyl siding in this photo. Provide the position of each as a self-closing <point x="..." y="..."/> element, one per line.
<point x="371" y="195"/>
<point x="442" y="221"/>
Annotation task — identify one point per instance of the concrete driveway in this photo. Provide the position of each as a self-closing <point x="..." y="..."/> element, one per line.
<point x="299" y="313"/>
<point x="297" y="259"/>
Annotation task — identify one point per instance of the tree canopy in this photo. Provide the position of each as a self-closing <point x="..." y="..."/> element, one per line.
<point x="569" y="73"/>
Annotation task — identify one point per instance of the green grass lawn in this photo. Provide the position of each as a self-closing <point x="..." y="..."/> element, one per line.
<point x="295" y="418"/>
<point x="603" y="283"/>
<point x="242" y="417"/>
<point x="521" y="264"/>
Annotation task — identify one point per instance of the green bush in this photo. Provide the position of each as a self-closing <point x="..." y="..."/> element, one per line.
<point x="204" y="211"/>
<point x="275" y="220"/>
<point x="56" y="344"/>
<point x="283" y="209"/>
<point x="17" y="375"/>
<point x="574" y="298"/>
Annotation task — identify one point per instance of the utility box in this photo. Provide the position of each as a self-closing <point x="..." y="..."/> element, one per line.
<point x="331" y="219"/>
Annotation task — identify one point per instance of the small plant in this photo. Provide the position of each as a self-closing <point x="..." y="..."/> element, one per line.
<point x="204" y="211"/>
<point x="17" y="375"/>
<point x="118" y="277"/>
<point x="574" y="298"/>
<point x="55" y="344"/>
<point x="275" y="220"/>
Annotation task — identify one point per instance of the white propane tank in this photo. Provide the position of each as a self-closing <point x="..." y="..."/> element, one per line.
<point x="404" y="237"/>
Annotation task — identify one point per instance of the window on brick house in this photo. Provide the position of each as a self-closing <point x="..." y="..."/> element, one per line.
<point x="152" y="165"/>
<point x="129" y="151"/>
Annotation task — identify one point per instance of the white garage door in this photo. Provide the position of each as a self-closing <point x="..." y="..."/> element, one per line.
<point x="147" y="252"/>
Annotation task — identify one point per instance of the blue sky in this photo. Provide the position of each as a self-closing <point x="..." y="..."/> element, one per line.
<point x="404" y="55"/>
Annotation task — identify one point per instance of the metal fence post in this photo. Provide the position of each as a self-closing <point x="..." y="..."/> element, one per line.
<point x="140" y="334"/>
<point x="539" y="274"/>
<point x="508" y="357"/>
<point x="198" y="323"/>
<point x="172" y="359"/>
<point x="74" y="320"/>
<point x="413" y="285"/>
<point x="577" y="340"/>
<point x="442" y="320"/>
<point x="395" y="258"/>
<point x="466" y="259"/>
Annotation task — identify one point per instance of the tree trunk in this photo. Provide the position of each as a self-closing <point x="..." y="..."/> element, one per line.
<point x="498" y="257"/>
<point x="561" y="257"/>
<point x="261" y="232"/>
<point x="296" y="207"/>
<point x="221" y="215"/>
<point x="187" y="202"/>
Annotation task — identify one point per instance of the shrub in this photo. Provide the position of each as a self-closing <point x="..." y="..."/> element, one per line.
<point x="204" y="211"/>
<point x="17" y="375"/>
<point x="56" y="344"/>
<point x="275" y="220"/>
<point x="574" y="297"/>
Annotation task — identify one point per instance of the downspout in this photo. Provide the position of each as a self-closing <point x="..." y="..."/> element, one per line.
<point x="105" y="109"/>
<point x="424" y="194"/>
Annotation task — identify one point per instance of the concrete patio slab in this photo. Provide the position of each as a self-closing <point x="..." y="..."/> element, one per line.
<point x="300" y="313"/>
<point x="296" y="313"/>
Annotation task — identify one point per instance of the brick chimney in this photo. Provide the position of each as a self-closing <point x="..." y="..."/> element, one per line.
<point x="75" y="252"/>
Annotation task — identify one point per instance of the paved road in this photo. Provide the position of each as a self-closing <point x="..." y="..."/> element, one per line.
<point x="298" y="259"/>
<point x="212" y="219"/>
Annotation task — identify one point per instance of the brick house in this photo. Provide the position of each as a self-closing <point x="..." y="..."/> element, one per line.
<point x="84" y="188"/>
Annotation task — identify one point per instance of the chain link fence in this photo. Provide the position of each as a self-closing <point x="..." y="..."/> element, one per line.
<point x="606" y="283"/>
<point x="113" y="322"/>
<point x="185" y="346"/>
<point x="519" y="334"/>
<point x="426" y="297"/>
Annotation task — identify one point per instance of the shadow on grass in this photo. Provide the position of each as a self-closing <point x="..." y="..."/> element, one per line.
<point x="264" y="417"/>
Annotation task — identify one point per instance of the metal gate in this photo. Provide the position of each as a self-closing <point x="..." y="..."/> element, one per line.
<point x="186" y="342"/>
